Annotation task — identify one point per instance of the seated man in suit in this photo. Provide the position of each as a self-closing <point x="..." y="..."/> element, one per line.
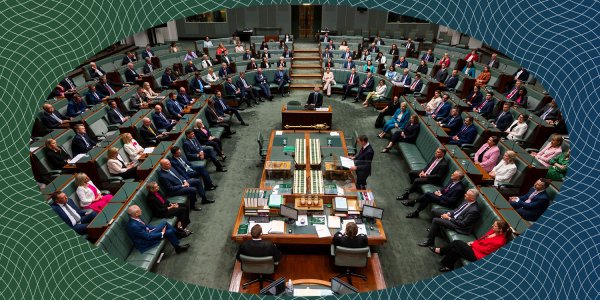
<point x="351" y="82"/>
<point x="349" y="64"/>
<point x="93" y="97"/>
<point x="161" y="121"/>
<point x="148" y="66"/>
<point x="326" y="38"/>
<point x="486" y="107"/>
<point x="183" y="98"/>
<point x="247" y="55"/>
<point x="451" y="81"/>
<point x="514" y="92"/>
<point x="401" y="63"/>
<point x="235" y="92"/>
<point x="453" y="122"/>
<point x="138" y="100"/>
<point x="225" y="59"/>
<point x="95" y="71"/>
<point x="450" y="196"/>
<point x="148" y="53"/>
<point x="195" y="151"/>
<point x="131" y="75"/>
<point x="460" y="219"/>
<point x="182" y="165"/>
<point x="107" y="88"/>
<point x="76" y="107"/>
<point x="281" y="78"/>
<point x="261" y="81"/>
<point x="190" y="67"/>
<point x="287" y="53"/>
<point x="494" y="63"/>
<point x="197" y="85"/>
<point x="130" y="57"/>
<point x="327" y="54"/>
<point x="402" y="80"/>
<point x="173" y="107"/>
<point x="247" y="91"/>
<point x="350" y="238"/>
<point x="180" y="184"/>
<point x="466" y="134"/>
<point x="504" y="118"/>
<point x="362" y="161"/>
<point x="145" y="236"/>
<point x="428" y="56"/>
<point x="149" y="134"/>
<point x="115" y="116"/>
<point x="190" y="55"/>
<point x="224" y="71"/>
<point x="347" y="55"/>
<point x="81" y="143"/>
<point x="51" y="118"/>
<point x="257" y="247"/>
<point x="168" y="79"/>
<point x="533" y="204"/>
<point x="251" y="65"/>
<point x="433" y="172"/>
<point x="416" y="86"/>
<point x="442" y="74"/>
<point x="443" y="109"/>
<point x="315" y="97"/>
<point x="222" y="108"/>
<point x="548" y="112"/>
<point x="68" y="211"/>
<point x="366" y="86"/>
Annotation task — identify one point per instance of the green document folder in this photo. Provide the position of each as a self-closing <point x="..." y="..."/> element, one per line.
<point x="243" y="229"/>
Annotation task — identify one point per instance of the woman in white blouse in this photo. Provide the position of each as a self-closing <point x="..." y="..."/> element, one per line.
<point x="380" y="59"/>
<point x="344" y="46"/>
<point x="132" y="147"/>
<point x="434" y="102"/>
<point x="365" y="55"/>
<point x="328" y="81"/>
<point x="89" y="195"/>
<point x="239" y="48"/>
<point x="117" y="167"/>
<point x="504" y="171"/>
<point x="211" y="77"/>
<point x="517" y="129"/>
<point x="379" y="92"/>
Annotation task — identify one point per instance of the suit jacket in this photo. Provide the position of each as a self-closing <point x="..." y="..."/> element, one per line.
<point x="370" y="83"/>
<point x="318" y="102"/>
<point x="197" y="85"/>
<point x="349" y="65"/>
<point x="161" y="122"/>
<point x="250" y="66"/>
<point x="289" y="54"/>
<point x="94" y="74"/>
<point x="171" y="183"/>
<point x="452" y="194"/>
<point x="100" y="88"/>
<point x="260" y="78"/>
<point x="49" y="122"/>
<point x="167" y="80"/>
<point x="535" y="208"/>
<point x="131" y="75"/>
<point x="178" y="166"/>
<point x="418" y="87"/>
<point x="405" y="81"/>
<point x="158" y="208"/>
<point x="402" y="65"/>
<point x="467" y="218"/>
<point x="136" y="101"/>
<point x="148" y="68"/>
<point x="224" y="72"/>
<point x="146" y="54"/>
<point x="360" y="241"/>
<point x="174" y="108"/>
<point x="247" y="56"/>
<point x="74" y="109"/>
<point x="283" y="76"/>
<point x="451" y="82"/>
<point x="487" y="109"/>
<point x="221" y="106"/>
<point x="60" y="212"/>
<point x="143" y="236"/>
<point x="191" y="151"/>
<point x="56" y="159"/>
<point x="454" y="124"/>
<point x="327" y="55"/>
<point x="493" y="63"/>
<point x="439" y="171"/>
<point x="231" y="89"/>
<point x="78" y="144"/>
<point x="490" y="157"/>
<point x="93" y="99"/>
<point x="128" y="59"/>
<point x="190" y="68"/>
<point x="441" y="75"/>
<point x="206" y="63"/>
<point x="363" y="159"/>
<point x="475" y="99"/>
<point x="265" y="65"/>
<point x="345" y="55"/>
<point x="444" y="111"/>
<point x="524" y="75"/>
<point x="411" y="132"/>
<point x="468" y="135"/>
<point x="427" y="59"/>
<point x="517" y="132"/>
<point x="355" y="80"/>
<point x="184" y="99"/>
<point x="551" y="116"/>
<point x="201" y="136"/>
<point x="503" y="122"/>
<point x="147" y="136"/>
<point x="67" y="83"/>
<point x="259" y="248"/>
<point x="113" y="117"/>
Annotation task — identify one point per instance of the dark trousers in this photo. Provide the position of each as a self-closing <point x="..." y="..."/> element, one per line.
<point x="361" y="180"/>
<point x="379" y="121"/>
<point x="455" y="251"/>
<point x="129" y="174"/>
<point x="81" y="228"/>
<point x="216" y="144"/>
<point x="234" y="111"/>
<point x="397" y="137"/>
<point x="212" y="155"/>
<point x="362" y="89"/>
<point x="437" y="224"/>
<point x="190" y="191"/>
<point x="347" y="87"/>
<point x="417" y="181"/>
<point x="265" y="88"/>
<point x="242" y="98"/>
<point x="249" y="93"/>
<point x="431" y="198"/>
<point x="282" y="83"/>
<point x="182" y="214"/>
<point x="169" y="233"/>
<point x="200" y="171"/>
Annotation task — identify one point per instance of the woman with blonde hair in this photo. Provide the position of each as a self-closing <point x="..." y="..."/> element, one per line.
<point x="131" y="147"/>
<point x="504" y="171"/>
<point x="89" y="195"/>
<point x="206" y="138"/>
<point x="328" y="81"/>
<point x="117" y="167"/>
<point x="57" y="157"/>
<point x="148" y="90"/>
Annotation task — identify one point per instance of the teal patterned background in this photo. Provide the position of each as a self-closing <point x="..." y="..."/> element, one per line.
<point x="40" y="41"/>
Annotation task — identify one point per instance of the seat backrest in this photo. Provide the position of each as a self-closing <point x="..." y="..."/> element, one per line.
<point x="351" y="257"/>
<point x="257" y="265"/>
<point x="487" y="218"/>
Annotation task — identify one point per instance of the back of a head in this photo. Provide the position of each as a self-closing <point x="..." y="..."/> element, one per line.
<point x="351" y="230"/>
<point x="256" y="231"/>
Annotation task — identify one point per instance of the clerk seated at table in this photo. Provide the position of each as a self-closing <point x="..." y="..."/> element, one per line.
<point x="257" y="247"/>
<point x="350" y="239"/>
<point x="315" y="97"/>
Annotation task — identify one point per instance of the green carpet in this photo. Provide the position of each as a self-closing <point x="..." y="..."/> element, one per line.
<point x="210" y="260"/>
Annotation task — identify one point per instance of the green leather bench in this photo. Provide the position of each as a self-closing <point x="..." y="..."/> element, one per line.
<point x="419" y="154"/>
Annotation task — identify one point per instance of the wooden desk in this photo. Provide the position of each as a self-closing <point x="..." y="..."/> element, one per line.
<point x="302" y="117"/>
<point x="476" y="173"/>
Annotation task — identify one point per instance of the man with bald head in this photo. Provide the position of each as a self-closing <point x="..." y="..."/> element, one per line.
<point x="160" y="120"/>
<point x="149" y="134"/>
<point x="131" y="75"/>
<point x="251" y="65"/>
<point x="145" y="236"/>
<point x="178" y="184"/>
<point x="183" y="98"/>
<point x="95" y="71"/>
<point x="449" y="196"/>
<point x="52" y="119"/>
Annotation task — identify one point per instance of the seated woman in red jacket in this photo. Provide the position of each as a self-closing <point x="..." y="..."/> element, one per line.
<point x="472" y="251"/>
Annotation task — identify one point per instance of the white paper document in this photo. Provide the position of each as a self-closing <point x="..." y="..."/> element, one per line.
<point x="278" y="132"/>
<point x="334" y="133"/>
<point x="322" y="109"/>
<point x="346" y="162"/>
<point x="148" y="150"/>
<point x="77" y="158"/>
<point x="322" y="231"/>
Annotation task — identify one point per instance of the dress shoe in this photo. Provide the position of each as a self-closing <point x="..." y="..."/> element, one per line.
<point x="241" y="109"/>
<point x="210" y="188"/>
<point x="223" y="170"/>
<point x="196" y="208"/>
<point x="425" y="243"/>
<point x="182" y="248"/>
<point x="414" y="214"/>
<point x="355" y="100"/>
<point x="245" y="124"/>
<point x="207" y="201"/>
<point x="432" y="249"/>
<point x="402" y="197"/>
<point x="385" y="150"/>
<point x="261" y="100"/>
<point x="343" y="98"/>
<point x="410" y="203"/>
<point x="445" y="269"/>
<point x="233" y="132"/>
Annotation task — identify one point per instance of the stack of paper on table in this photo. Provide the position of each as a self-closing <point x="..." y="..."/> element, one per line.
<point x="334" y="222"/>
<point x="148" y="150"/>
<point x="322" y="231"/>
<point x="277" y="226"/>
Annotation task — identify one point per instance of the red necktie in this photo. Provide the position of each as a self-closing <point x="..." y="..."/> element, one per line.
<point x="160" y="198"/>
<point x="351" y="79"/>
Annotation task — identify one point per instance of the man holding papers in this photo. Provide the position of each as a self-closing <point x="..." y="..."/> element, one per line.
<point x="362" y="162"/>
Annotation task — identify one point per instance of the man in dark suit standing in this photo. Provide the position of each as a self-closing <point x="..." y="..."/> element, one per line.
<point x="504" y="118"/>
<point x="450" y="196"/>
<point x="149" y="134"/>
<point x="115" y="116"/>
<point x="351" y="82"/>
<point x="433" y="172"/>
<point x="68" y="211"/>
<point x="460" y="219"/>
<point x="182" y="165"/>
<point x="351" y="238"/>
<point x="180" y="184"/>
<point x="466" y="135"/>
<point x="315" y="97"/>
<point x="362" y="162"/>
<point x="452" y="122"/>
<point x="81" y="143"/>
<point x="367" y="86"/>
<point x="145" y="236"/>
<point x="533" y="204"/>
<point x="257" y="247"/>
<point x="161" y="121"/>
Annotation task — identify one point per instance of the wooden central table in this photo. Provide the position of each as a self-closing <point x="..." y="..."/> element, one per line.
<point x="298" y="116"/>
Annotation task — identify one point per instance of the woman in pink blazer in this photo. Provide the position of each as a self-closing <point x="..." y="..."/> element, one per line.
<point x="487" y="156"/>
<point x="551" y="150"/>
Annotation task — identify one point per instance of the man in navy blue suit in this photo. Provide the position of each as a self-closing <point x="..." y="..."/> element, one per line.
<point x="235" y="92"/>
<point x="81" y="143"/>
<point x="224" y="71"/>
<point x="93" y="97"/>
<point x="167" y="79"/>
<point x="362" y="162"/>
<point x="443" y="109"/>
<point x="453" y="121"/>
<point x="486" y="107"/>
<point x="450" y="196"/>
<point x="428" y="56"/>
<point x="180" y="184"/>
<point x="533" y="204"/>
<point x="451" y="81"/>
<point x="261" y="80"/>
<point x="349" y="64"/>
<point x="67" y="210"/>
<point x="174" y="108"/>
<point x="145" y="236"/>
<point x="504" y="118"/>
<point x="182" y="165"/>
<point x="466" y="135"/>
<point x="160" y="120"/>
<point x="76" y="107"/>
<point x="366" y="86"/>
<point x="281" y="78"/>
<point x="195" y="151"/>
<point x="351" y="82"/>
<point x="222" y="108"/>
<point x="51" y="118"/>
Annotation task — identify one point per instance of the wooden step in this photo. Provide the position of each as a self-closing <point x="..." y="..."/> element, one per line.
<point x="311" y="66"/>
<point x="303" y="76"/>
<point x="316" y="58"/>
<point x="315" y="50"/>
